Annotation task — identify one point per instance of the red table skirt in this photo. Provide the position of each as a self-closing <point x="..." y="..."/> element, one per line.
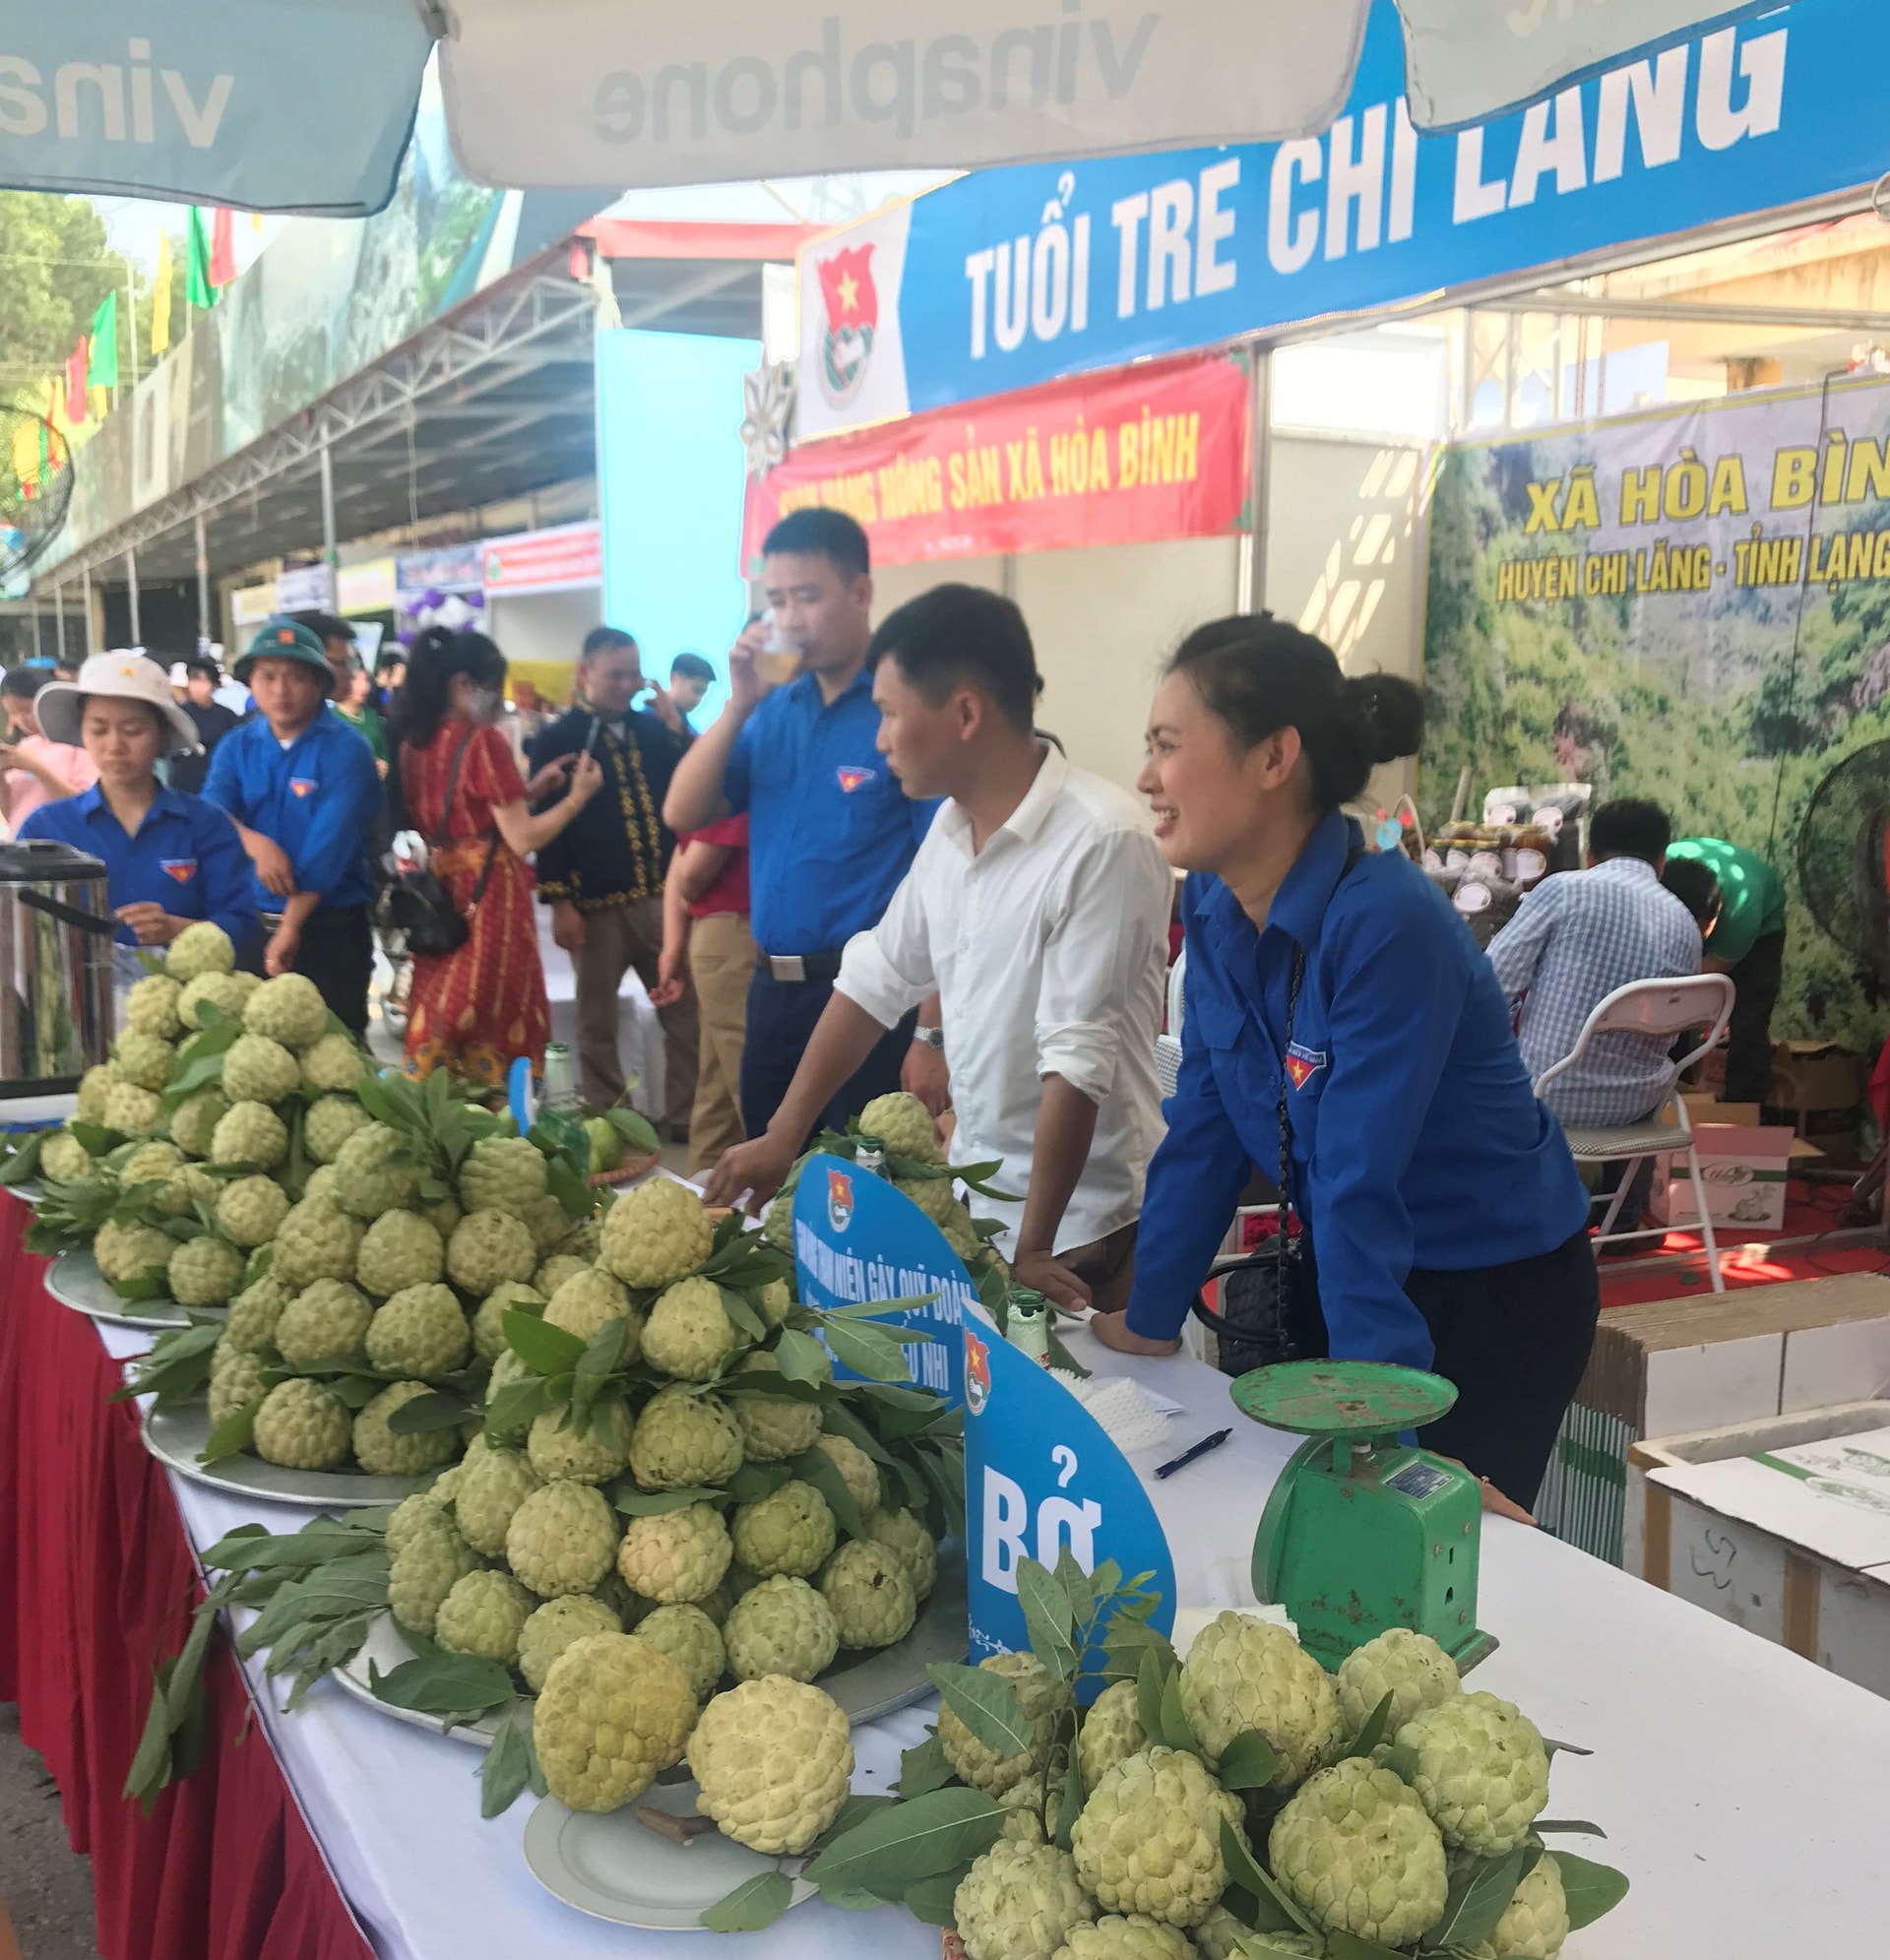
<point x="98" y="1584"/>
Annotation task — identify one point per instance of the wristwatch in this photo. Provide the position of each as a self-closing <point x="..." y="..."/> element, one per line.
<point x="930" y="1038"/>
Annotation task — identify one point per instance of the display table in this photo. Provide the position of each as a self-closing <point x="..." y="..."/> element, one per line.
<point x="1743" y="1790"/>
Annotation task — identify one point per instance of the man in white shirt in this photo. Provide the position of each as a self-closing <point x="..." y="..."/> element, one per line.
<point x="1037" y="909"/>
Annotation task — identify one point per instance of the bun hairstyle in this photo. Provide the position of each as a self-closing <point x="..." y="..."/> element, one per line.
<point x="1260" y="675"/>
<point x="437" y="656"/>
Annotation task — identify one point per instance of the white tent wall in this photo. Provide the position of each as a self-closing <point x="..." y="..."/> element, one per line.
<point x="546" y="629"/>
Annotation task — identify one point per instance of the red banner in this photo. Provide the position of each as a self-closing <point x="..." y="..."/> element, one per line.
<point x="1144" y="453"/>
<point x="562" y="559"/>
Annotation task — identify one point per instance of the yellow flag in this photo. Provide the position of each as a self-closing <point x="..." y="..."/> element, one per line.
<point x="25" y="456"/>
<point x="56" y="403"/>
<point x="161" y="298"/>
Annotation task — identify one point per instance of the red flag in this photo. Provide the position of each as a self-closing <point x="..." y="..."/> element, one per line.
<point x="847" y="290"/>
<point x="222" y="249"/>
<point x="77" y="365"/>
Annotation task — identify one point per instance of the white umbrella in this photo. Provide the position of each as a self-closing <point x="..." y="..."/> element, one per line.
<point x="306" y="104"/>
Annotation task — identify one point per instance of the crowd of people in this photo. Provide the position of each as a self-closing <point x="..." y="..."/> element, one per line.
<point x="874" y="871"/>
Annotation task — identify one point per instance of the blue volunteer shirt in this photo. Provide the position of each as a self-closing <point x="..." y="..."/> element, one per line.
<point x="830" y="831"/>
<point x="186" y="857"/>
<point x="318" y="798"/>
<point x="1416" y="1142"/>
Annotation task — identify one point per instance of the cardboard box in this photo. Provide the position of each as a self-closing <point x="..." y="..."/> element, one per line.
<point x="1675" y="1367"/>
<point x="1781" y="1526"/>
<point x="1817" y="1076"/>
<point x="1745" y="1165"/>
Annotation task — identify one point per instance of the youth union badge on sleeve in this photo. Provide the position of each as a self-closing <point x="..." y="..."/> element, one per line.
<point x="1303" y="1063"/>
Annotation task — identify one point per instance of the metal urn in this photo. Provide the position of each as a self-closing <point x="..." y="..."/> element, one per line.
<point x="56" y="966"/>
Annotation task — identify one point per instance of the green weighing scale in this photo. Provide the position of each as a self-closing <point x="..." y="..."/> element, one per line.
<point x="1363" y="1532"/>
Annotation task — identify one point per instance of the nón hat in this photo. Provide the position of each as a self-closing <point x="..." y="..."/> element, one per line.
<point x="123" y="676"/>
<point x="286" y="640"/>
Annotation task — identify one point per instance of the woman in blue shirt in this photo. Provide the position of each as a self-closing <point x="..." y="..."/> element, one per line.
<point x="171" y="859"/>
<point x="1442" y="1223"/>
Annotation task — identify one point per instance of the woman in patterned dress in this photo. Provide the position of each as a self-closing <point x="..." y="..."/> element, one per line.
<point x="478" y="1008"/>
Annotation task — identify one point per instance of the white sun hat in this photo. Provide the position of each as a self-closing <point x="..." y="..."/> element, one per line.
<point x="122" y="675"/>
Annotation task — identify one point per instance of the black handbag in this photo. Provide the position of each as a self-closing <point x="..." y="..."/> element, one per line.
<point x="418" y="906"/>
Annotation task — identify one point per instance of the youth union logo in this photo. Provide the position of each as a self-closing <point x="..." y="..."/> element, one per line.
<point x="852" y="306"/>
<point x="840" y="1200"/>
<point x="978" y="1373"/>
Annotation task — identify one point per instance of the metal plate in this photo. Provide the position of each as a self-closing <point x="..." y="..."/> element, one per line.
<point x="615" y="1868"/>
<point x="385" y="1648"/>
<point x="74" y="1281"/>
<point x="175" y="1435"/>
<point x="1343" y="1398"/>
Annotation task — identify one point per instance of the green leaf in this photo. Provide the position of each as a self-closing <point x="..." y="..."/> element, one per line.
<point x="427" y="1413"/>
<point x="231" y="1434"/>
<point x="867" y="1350"/>
<point x="1079" y="1588"/>
<point x="1478" y="1896"/>
<point x="1399" y="1761"/>
<point x="1573" y="1826"/>
<point x="741" y="1311"/>
<point x="1070" y="1805"/>
<point x="1567" y="1748"/>
<point x="1048" y="1618"/>
<point x="817" y="1468"/>
<point x="635" y="1504"/>
<point x="986" y="1703"/>
<point x="547" y="1350"/>
<point x="596" y="1363"/>
<point x="878" y="1309"/>
<point x="1591" y="1889"/>
<point x="510" y="1766"/>
<point x="924" y="1769"/>
<point x="1373" y="1732"/>
<point x="1270" y="1902"/>
<point x="442" y="1683"/>
<point x="23" y="1156"/>
<point x="515" y="1406"/>
<point x="755" y="1903"/>
<point x="568" y="1184"/>
<point x="1342" y="1946"/>
<point x="930" y="1900"/>
<point x="755" y="1481"/>
<point x="893" y="1847"/>
<point x="801" y="1358"/>
<point x="1151" y="1676"/>
<point x="1176" y="1729"/>
<point x="635" y="1130"/>
<point x="1248" y="1762"/>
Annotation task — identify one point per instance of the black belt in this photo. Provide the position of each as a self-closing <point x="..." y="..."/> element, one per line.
<point x="796" y="967"/>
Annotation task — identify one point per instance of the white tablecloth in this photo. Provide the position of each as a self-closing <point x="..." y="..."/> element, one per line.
<point x="1744" y="1791"/>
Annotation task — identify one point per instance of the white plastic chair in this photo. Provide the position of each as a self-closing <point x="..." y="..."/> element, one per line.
<point x="1659" y="1010"/>
<point x="1167" y="1044"/>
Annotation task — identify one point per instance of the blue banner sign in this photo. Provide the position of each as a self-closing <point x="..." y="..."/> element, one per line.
<point x="1006" y="278"/>
<point x="856" y="1237"/>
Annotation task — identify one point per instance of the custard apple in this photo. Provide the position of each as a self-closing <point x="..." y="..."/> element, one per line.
<point x="1149" y="1837"/>
<point x="689" y="1334"/>
<point x="676" y="1556"/>
<point x="873" y="1599"/>
<point x="487" y="1249"/>
<point x="301" y="1427"/>
<point x="127" y="1254"/>
<point x="1243" y="1672"/>
<point x="132" y="1111"/>
<point x="1354" y="1848"/>
<point x="330" y="1122"/>
<point x="1111" y="1731"/>
<point x="790" y="1530"/>
<point x="547" y="1221"/>
<point x="250" y="1134"/>
<point x="584" y="1240"/>
<point x="1027" y="1805"/>
<point x="399" y="1250"/>
<point x="184" y="1191"/>
<point x="205" y="1271"/>
<point x="1040" y="1698"/>
<point x="857" y="1472"/>
<point x="377" y="1171"/>
<point x="1483" y="1772"/>
<point x="488" y="1323"/>
<point x="1409" y="1667"/>
<point x="484" y="1613"/>
<point x="63" y="1159"/>
<point x="659" y="1234"/>
<point x="689" y="1637"/>
<point x="562" y="1538"/>
<point x="781" y="1626"/>
<point x="936" y="1197"/>
<point x="736" y="1583"/>
<point x="1218" y="1938"/>
<point x="429" y="1562"/>
<point x="777" y="1228"/>
<point x="684" y="1440"/>
<point x="1018" y="1902"/>
<point x="904" y="1125"/>
<point x="385" y="1451"/>
<point x="236" y="1381"/>
<point x="502" y="1175"/>
<point x="773" y="1426"/>
<point x="492" y="1484"/>
<point x="612" y="1713"/>
<point x="251" y="1210"/>
<point x="1536" y="1922"/>
<point x="553" y="1627"/>
<point x="420" y="1332"/>
<point x="94" y="1087"/>
<point x="412" y="1514"/>
<point x="325" y="1326"/>
<point x="316" y="1242"/>
<point x="222" y="994"/>
<point x="333" y="1064"/>
<point x="259" y="1070"/>
<point x="777" y="1303"/>
<point x="585" y="1301"/>
<point x="774" y="1762"/>
<point x="149" y="1163"/>
<point x="289" y="1009"/>
<point x="203" y="948"/>
<point x="150" y="1007"/>
<point x="508" y="1372"/>
<point x="319" y="1184"/>
<point x="444" y="1217"/>
<point x="144" y="1060"/>
<point x="193" y="1123"/>
<point x="564" y="1451"/>
<point x="1120" y="1937"/>
<point x="554" y="1273"/>
<point x="254" y="1314"/>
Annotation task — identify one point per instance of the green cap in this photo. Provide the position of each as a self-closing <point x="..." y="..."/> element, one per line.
<point x="285" y="640"/>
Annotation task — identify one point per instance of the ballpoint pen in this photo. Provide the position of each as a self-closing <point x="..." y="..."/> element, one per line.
<point x="1187" y="1456"/>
